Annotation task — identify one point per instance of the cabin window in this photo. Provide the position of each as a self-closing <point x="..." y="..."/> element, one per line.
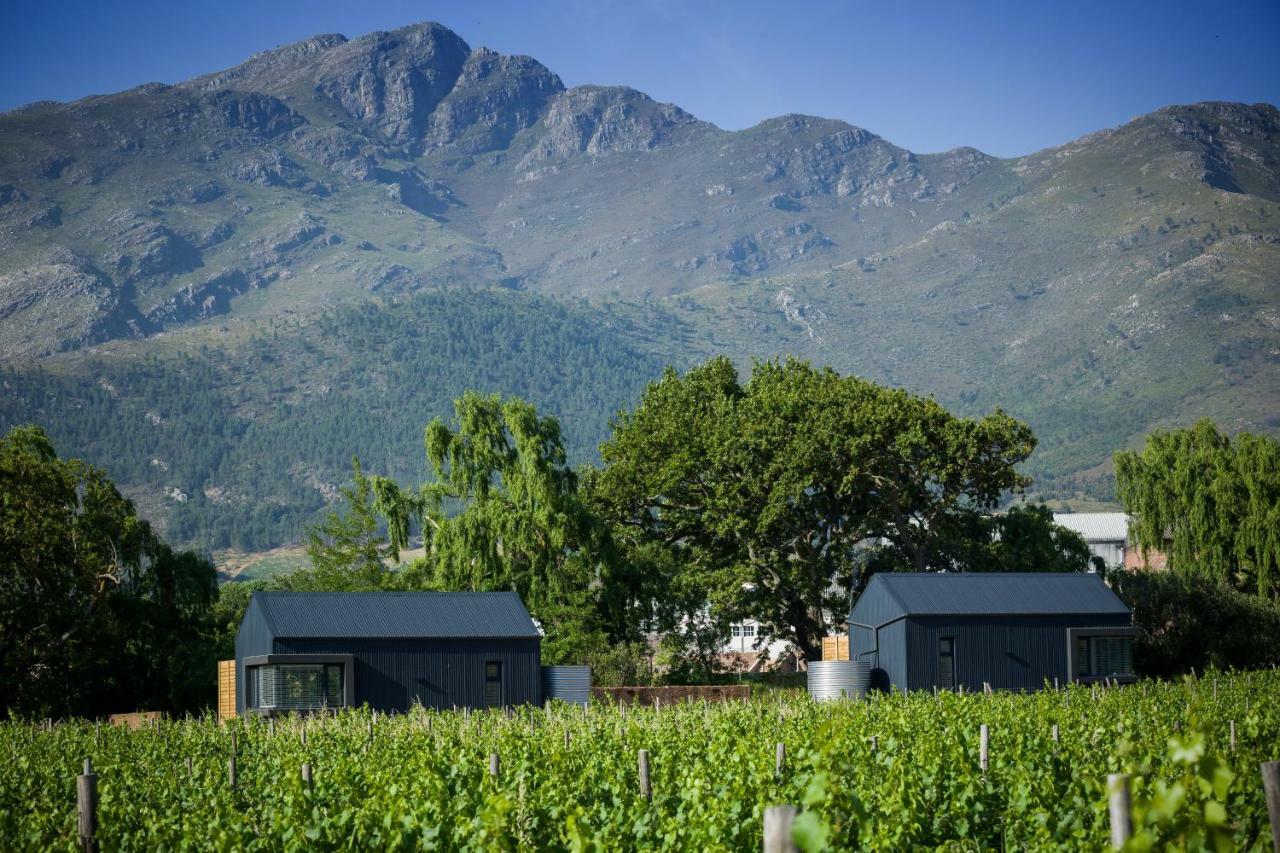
<point x="493" y="684"/>
<point x="295" y="686"/>
<point x="1104" y="657"/>
<point x="946" y="662"/>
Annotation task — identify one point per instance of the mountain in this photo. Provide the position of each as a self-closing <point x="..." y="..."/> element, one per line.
<point x="223" y="289"/>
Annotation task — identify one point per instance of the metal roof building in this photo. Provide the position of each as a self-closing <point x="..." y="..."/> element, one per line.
<point x="1106" y="532"/>
<point x="1010" y="630"/>
<point x="300" y="651"/>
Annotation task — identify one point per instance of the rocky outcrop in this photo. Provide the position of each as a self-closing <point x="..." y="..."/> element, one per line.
<point x="392" y="81"/>
<point x="252" y="111"/>
<point x="494" y="98"/>
<point x="270" y="168"/>
<point x="200" y="301"/>
<point x="141" y="248"/>
<point x="416" y="191"/>
<point x="61" y="304"/>
<point x="606" y="119"/>
<point x="755" y="253"/>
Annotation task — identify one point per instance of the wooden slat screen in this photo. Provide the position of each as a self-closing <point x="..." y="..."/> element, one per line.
<point x="835" y="648"/>
<point x="226" y="689"/>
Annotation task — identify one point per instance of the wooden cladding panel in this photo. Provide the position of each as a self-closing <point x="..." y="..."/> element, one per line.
<point x="226" y="689"/>
<point x="835" y="648"/>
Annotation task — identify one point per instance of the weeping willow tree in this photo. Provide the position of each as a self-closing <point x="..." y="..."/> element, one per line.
<point x="1210" y="501"/>
<point x="502" y="512"/>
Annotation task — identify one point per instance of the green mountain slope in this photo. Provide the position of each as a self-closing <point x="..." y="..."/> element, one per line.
<point x="240" y="442"/>
<point x="227" y="243"/>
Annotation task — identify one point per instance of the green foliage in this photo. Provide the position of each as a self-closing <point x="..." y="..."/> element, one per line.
<point x="97" y="613"/>
<point x="348" y="551"/>
<point x="1023" y="538"/>
<point x="421" y="781"/>
<point x="1210" y="501"/>
<point x="1189" y="621"/>
<point x="503" y="513"/>
<point x="765" y="491"/>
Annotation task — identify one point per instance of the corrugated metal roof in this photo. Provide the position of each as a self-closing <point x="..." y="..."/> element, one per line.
<point x="1096" y="526"/>
<point x="999" y="593"/>
<point x="395" y="614"/>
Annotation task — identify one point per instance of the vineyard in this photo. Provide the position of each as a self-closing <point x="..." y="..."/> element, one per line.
<point x="889" y="773"/>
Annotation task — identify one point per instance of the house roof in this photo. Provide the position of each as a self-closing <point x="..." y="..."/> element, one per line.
<point x="1095" y="526"/>
<point x="396" y="614"/>
<point x="998" y="593"/>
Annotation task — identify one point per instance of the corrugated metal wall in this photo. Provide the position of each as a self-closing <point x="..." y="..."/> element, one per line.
<point x="888" y="660"/>
<point x="254" y="639"/>
<point x="391" y="675"/>
<point x="1008" y="652"/>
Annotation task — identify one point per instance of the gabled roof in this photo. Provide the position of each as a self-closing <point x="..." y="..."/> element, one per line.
<point x="1095" y="526"/>
<point x="427" y="615"/>
<point x="996" y="593"/>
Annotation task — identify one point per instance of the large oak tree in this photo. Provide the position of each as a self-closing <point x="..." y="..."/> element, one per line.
<point x="766" y="490"/>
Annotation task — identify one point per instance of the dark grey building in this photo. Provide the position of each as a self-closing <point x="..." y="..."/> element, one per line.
<point x="1012" y="631"/>
<point x="299" y="651"/>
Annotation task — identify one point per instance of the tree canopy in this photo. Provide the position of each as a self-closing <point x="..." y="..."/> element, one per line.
<point x="97" y="613"/>
<point x="1212" y="503"/>
<point x="503" y="512"/>
<point x="766" y="490"/>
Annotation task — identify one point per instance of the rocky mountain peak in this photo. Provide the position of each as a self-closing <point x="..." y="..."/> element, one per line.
<point x="603" y="119"/>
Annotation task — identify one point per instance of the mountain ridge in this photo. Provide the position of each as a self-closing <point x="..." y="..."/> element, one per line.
<point x="1126" y="279"/>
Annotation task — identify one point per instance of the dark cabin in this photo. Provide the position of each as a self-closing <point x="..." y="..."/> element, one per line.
<point x="304" y="651"/>
<point x="1013" y="631"/>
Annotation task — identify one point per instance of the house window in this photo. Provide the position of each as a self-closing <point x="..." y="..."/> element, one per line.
<point x="1104" y="657"/>
<point x="748" y="630"/>
<point x="295" y="686"/>
<point x="737" y="630"/>
<point x="946" y="662"/>
<point x="493" y="684"/>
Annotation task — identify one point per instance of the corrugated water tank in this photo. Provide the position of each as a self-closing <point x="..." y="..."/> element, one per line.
<point x="838" y="679"/>
<point x="570" y="684"/>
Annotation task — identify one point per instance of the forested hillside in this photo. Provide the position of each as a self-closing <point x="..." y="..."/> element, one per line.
<point x="240" y="443"/>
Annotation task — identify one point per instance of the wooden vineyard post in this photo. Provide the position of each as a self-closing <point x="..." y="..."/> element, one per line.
<point x="87" y="808"/>
<point x="566" y="738"/>
<point x="780" y="759"/>
<point x="1233" y="735"/>
<point x="1118" y="808"/>
<point x="875" y="743"/>
<point x="984" y="737"/>
<point x="190" y="769"/>
<point x="306" y="776"/>
<point x="495" y="766"/>
<point x="646" y="788"/>
<point x="1271" y="787"/>
<point x="271" y="726"/>
<point x="231" y="771"/>
<point x="1056" y="737"/>
<point x="777" y="829"/>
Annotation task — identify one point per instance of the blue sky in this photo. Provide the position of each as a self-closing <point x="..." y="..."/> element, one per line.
<point x="1008" y="78"/>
